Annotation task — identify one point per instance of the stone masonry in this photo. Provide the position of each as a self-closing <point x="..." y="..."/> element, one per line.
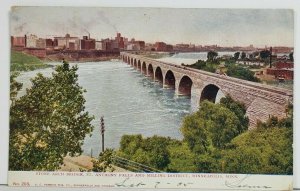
<point x="261" y="101"/>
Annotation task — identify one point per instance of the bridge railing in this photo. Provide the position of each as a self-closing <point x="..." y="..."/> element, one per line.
<point x="132" y="166"/>
<point x="264" y="87"/>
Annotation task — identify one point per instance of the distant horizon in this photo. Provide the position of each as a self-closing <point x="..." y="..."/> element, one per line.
<point x="222" y="27"/>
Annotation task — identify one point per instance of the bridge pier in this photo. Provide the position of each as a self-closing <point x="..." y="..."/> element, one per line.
<point x="261" y="101"/>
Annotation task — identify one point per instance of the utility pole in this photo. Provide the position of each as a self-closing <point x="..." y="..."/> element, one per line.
<point x="271" y="57"/>
<point x="102" y="129"/>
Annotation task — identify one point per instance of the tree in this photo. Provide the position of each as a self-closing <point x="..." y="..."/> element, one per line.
<point x="243" y="56"/>
<point x="182" y="159"/>
<point x="239" y="110"/>
<point x="261" y="151"/>
<point x="208" y="66"/>
<point x="48" y="122"/>
<point x="212" y="125"/>
<point x="14" y="87"/>
<point x="241" y="73"/>
<point x="291" y="56"/>
<point x="151" y="151"/>
<point x="264" y="54"/>
<point x="104" y="162"/>
<point x="212" y="55"/>
<point x="236" y="55"/>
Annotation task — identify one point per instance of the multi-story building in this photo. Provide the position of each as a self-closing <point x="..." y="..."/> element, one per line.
<point x="282" y="70"/>
<point x="98" y="45"/>
<point x="18" y="41"/>
<point x="66" y="41"/>
<point x="106" y="44"/>
<point x="49" y="43"/>
<point x="87" y="43"/>
<point x="31" y="41"/>
<point x="161" y="46"/>
<point x="41" y="43"/>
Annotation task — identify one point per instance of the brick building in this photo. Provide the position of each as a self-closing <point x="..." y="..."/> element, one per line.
<point x="64" y="42"/>
<point x="161" y="46"/>
<point x="282" y="64"/>
<point x="282" y="69"/>
<point x="285" y="73"/>
<point x="18" y="41"/>
<point x="86" y="43"/>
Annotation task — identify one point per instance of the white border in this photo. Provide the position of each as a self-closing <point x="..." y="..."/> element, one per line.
<point x="4" y="52"/>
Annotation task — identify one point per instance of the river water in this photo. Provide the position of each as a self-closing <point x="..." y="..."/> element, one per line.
<point x="130" y="103"/>
<point x="190" y="57"/>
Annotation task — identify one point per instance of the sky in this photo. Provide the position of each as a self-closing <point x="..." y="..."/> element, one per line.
<point x="224" y="27"/>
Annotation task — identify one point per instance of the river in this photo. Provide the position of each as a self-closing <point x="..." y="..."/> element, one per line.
<point x="130" y="103"/>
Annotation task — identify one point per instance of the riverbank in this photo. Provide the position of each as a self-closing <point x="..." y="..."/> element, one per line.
<point x="23" y="62"/>
<point x="57" y="58"/>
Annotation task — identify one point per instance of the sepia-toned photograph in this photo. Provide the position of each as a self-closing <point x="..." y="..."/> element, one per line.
<point x="162" y="93"/>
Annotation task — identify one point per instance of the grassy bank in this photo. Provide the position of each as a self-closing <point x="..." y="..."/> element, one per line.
<point x="24" y="62"/>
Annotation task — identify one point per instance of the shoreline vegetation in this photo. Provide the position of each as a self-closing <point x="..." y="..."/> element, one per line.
<point x="21" y="61"/>
<point x="216" y="140"/>
<point x="25" y="62"/>
<point x="80" y="60"/>
<point x="216" y="137"/>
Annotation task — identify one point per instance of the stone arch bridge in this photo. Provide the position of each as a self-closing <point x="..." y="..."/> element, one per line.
<point x="261" y="101"/>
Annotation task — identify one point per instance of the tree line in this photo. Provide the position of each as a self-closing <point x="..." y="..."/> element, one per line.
<point x="216" y="140"/>
<point x="50" y="122"/>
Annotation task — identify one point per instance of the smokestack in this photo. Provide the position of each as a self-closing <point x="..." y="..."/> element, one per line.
<point x="89" y="36"/>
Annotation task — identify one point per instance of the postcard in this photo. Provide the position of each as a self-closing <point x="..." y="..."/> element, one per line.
<point x="151" y="98"/>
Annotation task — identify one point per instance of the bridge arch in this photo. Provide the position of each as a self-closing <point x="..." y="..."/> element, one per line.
<point x="144" y="68"/>
<point x="150" y="71"/>
<point x="170" y="79"/>
<point x="211" y="92"/>
<point x="159" y="75"/>
<point x="185" y="86"/>
<point x="128" y="60"/>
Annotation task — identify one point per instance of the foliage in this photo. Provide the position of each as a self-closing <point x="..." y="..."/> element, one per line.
<point x="181" y="158"/>
<point x="213" y="125"/>
<point x="266" y="149"/>
<point x="291" y="56"/>
<point x="216" y="140"/>
<point x="24" y="62"/>
<point x="104" y="162"/>
<point x="264" y="54"/>
<point x="212" y="55"/>
<point x="232" y="69"/>
<point x="150" y="151"/>
<point x="237" y="55"/>
<point x="48" y="122"/>
<point x="239" y="110"/>
<point x="14" y="87"/>
<point x="208" y="66"/>
<point x="243" y="55"/>
<point x="241" y="73"/>
<point x="261" y="151"/>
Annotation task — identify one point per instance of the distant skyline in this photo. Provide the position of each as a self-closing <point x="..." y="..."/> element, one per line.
<point x="224" y="27"/>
